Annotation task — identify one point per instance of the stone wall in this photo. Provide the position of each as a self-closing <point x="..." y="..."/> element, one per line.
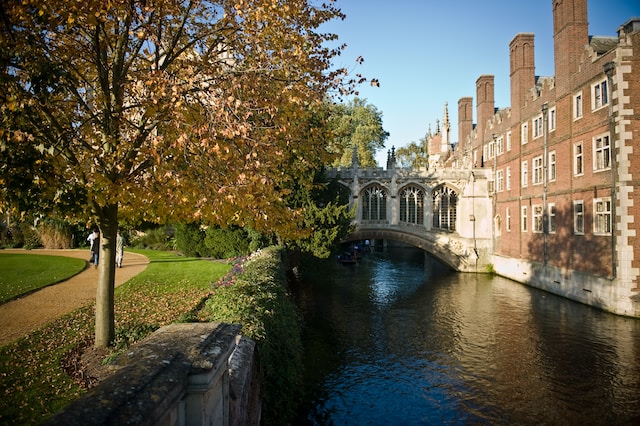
<point x="183" y="374"/>
<point x="603" y="293"/>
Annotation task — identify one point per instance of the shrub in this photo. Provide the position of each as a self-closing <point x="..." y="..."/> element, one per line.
<point x="194" y="240"/>
<point x="190" y="240"/>
<point x="224" y="243"/>
<point x="254" y="294"/>
<point x="155" y="239"/>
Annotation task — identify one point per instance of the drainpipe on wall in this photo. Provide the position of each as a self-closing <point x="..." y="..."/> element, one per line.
<point x="472" y="218"/>
<point x="609" y="68"/>
<point x="495" y="193"/>
<point x="545" y="213"/>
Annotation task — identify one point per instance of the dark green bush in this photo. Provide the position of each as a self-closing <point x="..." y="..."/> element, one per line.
<point x="194" y="240"/>
<point x="256" y="296"/>
<point x="190" y="240"/>
<point x="224" y="243"/>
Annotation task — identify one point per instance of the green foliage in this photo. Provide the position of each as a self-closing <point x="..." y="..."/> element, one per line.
<point x="51" y="232"/>
<point x="219" y="243"/>
<point x="257" y="240"/>
<point x="159" y="238"/>
<point x="24" y="273"/>
<point x="19" y="235"/>
<point x="356" y="125"/>
<point x="329" y="223"/>
<point x="327" y="217"/>
<point x="413" y="155"/>
<point x="190" y="240"/>
<point x="27" y="181"/>
<point x="224" y="243"/>
<point x="255" y="295"/>
<point x="32" y="378"/>
<point x="126" y="336"/>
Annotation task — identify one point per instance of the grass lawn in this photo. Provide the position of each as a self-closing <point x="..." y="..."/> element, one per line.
<point x="33" y="384"/>
<point x="24" y="273"/>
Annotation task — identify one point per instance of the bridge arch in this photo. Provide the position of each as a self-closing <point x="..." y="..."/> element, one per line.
<point x="448" y="249"/>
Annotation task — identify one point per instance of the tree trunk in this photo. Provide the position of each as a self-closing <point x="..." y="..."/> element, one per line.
<point x="105" y="318"/>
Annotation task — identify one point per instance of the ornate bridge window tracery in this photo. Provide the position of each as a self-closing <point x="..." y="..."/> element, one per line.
<point x="374" y="203"/>
<point x="412" y="205"/>
<point x="445" y="203"/>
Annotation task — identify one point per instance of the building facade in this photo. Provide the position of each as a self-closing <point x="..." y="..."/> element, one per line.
<point x="564" y="163"/>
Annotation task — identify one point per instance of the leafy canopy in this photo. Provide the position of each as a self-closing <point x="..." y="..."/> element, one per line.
<point x="167" y="108"/>
<point x="413" y="155"/>
<point x="356" y="125"/>
<point x="183" y="109"/>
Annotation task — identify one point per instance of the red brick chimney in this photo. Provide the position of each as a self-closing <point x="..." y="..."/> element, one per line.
<point x="570" y="34"/>
<point x="485" y="98"/>
<point x="522" y="76"/>
<point x="465" y="121"/>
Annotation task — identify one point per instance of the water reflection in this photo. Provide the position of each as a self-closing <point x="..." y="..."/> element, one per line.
<point x="394" y="340"/>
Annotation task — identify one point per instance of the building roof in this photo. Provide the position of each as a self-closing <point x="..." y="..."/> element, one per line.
<point x="602" y="44"/>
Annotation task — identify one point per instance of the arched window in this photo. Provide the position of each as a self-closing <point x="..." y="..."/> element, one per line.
<point x="445" y="203"/>
<point x="412" y="205"/>
<point x="374" y="203"/>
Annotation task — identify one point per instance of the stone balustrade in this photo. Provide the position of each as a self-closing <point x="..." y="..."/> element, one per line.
<point x="183" y="374"/>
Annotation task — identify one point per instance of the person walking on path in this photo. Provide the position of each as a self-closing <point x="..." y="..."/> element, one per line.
<point x="119" y="249"/>
<point x="95" y="248"/>
<point x="91" y="236"/>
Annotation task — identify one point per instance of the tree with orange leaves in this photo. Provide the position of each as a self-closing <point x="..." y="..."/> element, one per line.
<point x="194" y="109"/>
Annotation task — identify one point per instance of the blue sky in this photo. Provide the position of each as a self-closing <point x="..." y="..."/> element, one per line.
<point x="428" y="52"/>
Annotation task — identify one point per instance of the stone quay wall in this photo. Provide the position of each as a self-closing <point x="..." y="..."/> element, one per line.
<point x="183" y="374"/>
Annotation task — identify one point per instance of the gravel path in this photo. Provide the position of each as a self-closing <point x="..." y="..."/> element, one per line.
<point x="27" y="313"/>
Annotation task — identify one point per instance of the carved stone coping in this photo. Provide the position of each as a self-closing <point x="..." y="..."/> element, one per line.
<point x="179" y="371"/>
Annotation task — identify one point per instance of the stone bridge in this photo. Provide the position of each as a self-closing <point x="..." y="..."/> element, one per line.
<point x="446" y="212"/>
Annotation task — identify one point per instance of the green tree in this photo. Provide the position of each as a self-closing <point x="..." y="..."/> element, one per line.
<point x="190" y="109"/>
<point x="413" y="155"/>
<point x="356" y="124"/>
<point x="327" y="216"/>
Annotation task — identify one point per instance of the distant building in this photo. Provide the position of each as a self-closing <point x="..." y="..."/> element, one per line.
<point x="439" y="147"/>
<point x="565" y="163"/>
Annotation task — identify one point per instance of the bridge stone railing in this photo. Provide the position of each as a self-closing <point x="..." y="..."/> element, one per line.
<point x="183" y="374"/>
<point x="441" y="174"/>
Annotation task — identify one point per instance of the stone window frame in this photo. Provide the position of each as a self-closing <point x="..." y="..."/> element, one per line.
<point x="602" y="216"/>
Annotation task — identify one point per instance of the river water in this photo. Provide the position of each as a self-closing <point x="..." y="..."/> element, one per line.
<point x="399" y="340"/>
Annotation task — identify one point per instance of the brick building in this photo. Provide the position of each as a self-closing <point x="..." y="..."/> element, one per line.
<point x="562" y="163"/>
